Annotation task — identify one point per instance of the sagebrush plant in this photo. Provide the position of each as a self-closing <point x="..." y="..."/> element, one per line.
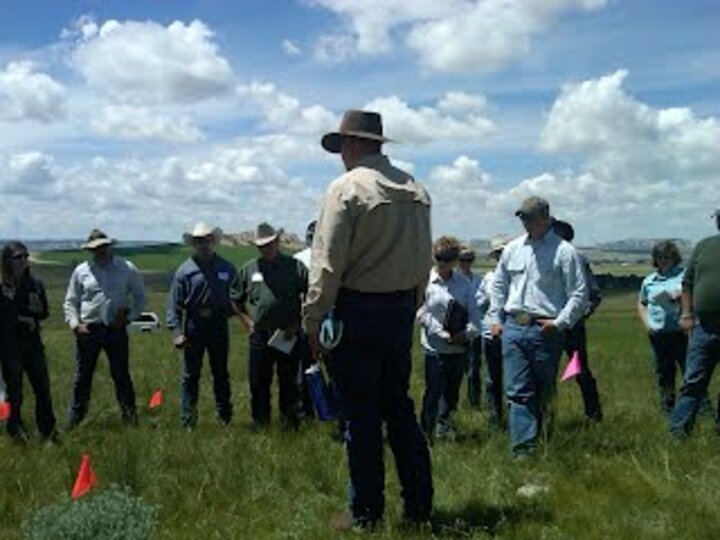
<point x="107" y="514"/>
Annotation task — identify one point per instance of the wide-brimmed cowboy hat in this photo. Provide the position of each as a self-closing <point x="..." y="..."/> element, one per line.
<point x="498" y="243"/>
<point x="360" y="124"/>
<point x="203" y="230"/>
<point x="266" y="234"/>
<point x="97" y="239"/>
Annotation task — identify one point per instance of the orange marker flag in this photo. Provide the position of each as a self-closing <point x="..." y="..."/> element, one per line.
<point x="573" y="368"/>
<point x="156" y="400"/>
<point x="86" y="479"/>
<point x="4" y="410"/>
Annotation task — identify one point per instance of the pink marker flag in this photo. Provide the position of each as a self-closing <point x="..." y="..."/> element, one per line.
<point x="573" y="368"/>
<point x="4" y="411"/>
<point x="156" y="400"/>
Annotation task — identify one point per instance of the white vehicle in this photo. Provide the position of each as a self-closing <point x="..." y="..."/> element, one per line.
<point x="146" y="322"/>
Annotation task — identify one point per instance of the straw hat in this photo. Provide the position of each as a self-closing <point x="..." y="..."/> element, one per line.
<point x="266" y="234"/>
<point x="97" y="239"/>
<point x="498" y="243"/>
<point x="202" y="230"/>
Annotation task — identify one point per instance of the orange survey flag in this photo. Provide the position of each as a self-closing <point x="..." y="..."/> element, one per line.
<point x="4" y="410"/>
<point x="86" y="479"/>
<point x="156" y="399"/>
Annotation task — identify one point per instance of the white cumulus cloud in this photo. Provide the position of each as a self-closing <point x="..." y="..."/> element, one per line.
<point x="132" y="59"/>
<point x="455" y="116"/>
<point x="26" y="94"/>
<point x="131" y="122"/>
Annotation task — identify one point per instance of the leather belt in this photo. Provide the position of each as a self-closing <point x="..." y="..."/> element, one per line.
<point x="523" y="318"/>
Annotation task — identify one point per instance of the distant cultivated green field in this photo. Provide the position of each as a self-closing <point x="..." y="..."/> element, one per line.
<point x="158" y="258"/>
<point x="621" y="479"/>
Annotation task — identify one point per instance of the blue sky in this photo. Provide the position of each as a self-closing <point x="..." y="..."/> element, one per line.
<point x="143" y="117"/>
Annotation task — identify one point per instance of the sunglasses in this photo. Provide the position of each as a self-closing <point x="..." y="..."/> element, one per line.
<point x="445" y="257"/>
<point x="20" y="256"/>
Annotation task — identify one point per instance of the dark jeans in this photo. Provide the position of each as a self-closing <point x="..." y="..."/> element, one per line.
<point x="494" y="385"/>
<point x="373" y="363"/>
<point x="443" y="376"/>
<point x="205" y="334"/>
<point x="669" y="355"/>
<point x="703" y="354"/>
<point x="474" y="362"/>
<point x="530" y="361"/>
<point x="576" y="341"/>
<point x="30" y="358"/>
<point x="263" y="361"/>
<point x="87" y="350"/>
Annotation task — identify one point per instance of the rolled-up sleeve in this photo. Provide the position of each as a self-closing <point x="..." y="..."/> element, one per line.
<point x="472" y="330"/>
<point x="175" y="301"/>
<point x="137" y="291"/>
<point x="71" y="305"/>
<point x="576" y="290"/>
<point x="499" y="290"/>
<point x="428" y="321"/>
<point x="330" y="250"/>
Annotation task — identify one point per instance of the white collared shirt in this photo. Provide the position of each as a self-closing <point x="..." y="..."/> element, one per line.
<point x="95" y="293"/>
<point x="431" y="315"/>
<point x="544" y="278"/>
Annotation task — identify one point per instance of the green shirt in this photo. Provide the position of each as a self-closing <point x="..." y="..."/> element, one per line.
<point x="702" y="278"/>
<point x="271" y="292"/>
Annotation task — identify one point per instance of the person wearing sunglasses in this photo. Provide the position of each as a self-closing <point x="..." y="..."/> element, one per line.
<point x="449" y="323"/>
<point x="539" y="291"/>
<point x="25" y="351"/>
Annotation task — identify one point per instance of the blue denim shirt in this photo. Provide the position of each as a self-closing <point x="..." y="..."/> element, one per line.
<point x="661" y="294"/>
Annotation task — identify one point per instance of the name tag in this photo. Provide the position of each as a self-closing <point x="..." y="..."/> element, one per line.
<point x="223" y="276"/>
<point x="257" y="277"/>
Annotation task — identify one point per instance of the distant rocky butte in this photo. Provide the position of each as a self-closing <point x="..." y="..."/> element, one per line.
<point x="642" y="245"/>
<point x="288" y="240"/>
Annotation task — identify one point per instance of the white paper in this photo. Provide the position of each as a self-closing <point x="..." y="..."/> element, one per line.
<point x="281" y="343"/>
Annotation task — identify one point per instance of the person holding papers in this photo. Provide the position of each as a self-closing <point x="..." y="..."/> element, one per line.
<point x="449" y="319"/>
<point x="659" y="309"/>
<point x="271" y="289"/>
<point x="199" y="305"/>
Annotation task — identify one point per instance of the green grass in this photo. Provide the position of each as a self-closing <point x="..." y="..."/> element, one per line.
<point x="155" y="258"/>
<point x="623" y="478"/>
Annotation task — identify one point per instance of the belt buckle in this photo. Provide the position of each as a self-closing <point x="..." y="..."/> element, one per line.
<point x="205" y="312"/>
<point x="523" y="319"/>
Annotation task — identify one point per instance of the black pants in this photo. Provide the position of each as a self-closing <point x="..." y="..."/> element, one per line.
<point x="28" y="356"/>
<point x="211" y="335"/>
<point x="263" y="361"/>
<point x="88" y="347"/>
<point x="576" y="341"/>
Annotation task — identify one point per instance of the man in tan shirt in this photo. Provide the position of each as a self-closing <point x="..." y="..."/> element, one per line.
<point x="370" y="263"/>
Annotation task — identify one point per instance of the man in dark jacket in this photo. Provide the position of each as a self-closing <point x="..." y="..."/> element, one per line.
<point x="199" y="305"/>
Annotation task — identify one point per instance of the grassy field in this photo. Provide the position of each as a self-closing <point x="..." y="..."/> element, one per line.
<point x="623" y="478"/>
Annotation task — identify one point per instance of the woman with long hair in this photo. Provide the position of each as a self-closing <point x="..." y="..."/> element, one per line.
<point x="24" y="306"/>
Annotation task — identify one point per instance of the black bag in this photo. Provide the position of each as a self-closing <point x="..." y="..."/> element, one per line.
<point x="456" y="318"/>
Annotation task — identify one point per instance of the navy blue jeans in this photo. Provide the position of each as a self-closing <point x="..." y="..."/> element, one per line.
<point x="87" y="351"/>
<point x="669" y="355"/>
<point x="703" y="354"/>
<point x="443" y="376"/>
<point x="474" y="363"/>
<point x="494" y="384"/>
<point x="373" y="363"/>
<point x="530" y="360"/>
<point x="263" y="361"/>
<point x="576" y="341"/>
<point x="205" y="334"/>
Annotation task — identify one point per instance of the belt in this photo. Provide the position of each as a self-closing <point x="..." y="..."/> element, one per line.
<point x="349" y="294"/>
<point x="524" y="319"/>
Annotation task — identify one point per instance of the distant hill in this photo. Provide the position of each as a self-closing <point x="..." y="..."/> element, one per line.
<point x="641" y="245"/>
